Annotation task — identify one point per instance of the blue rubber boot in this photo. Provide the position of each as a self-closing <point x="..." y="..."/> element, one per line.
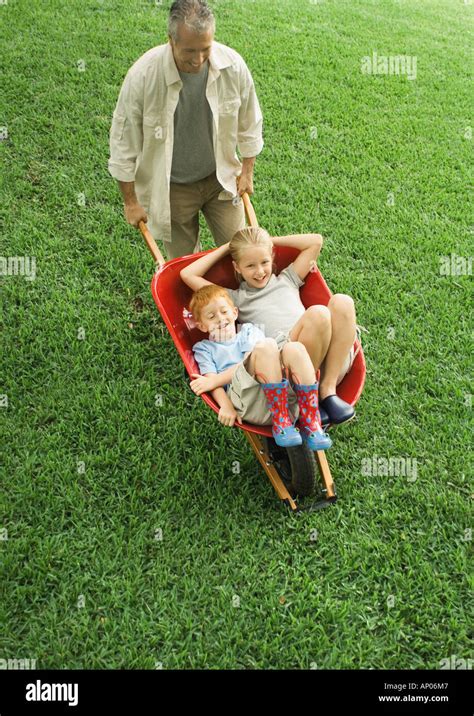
<point x="310" y="419"/>
<point x="284" y="431"/>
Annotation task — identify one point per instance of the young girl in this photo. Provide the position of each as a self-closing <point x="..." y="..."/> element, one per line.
<point x="273" y="303"/>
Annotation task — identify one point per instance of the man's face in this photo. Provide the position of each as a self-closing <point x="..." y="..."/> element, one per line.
<point x="191" y="51"/>
<point x="218" y="319"/>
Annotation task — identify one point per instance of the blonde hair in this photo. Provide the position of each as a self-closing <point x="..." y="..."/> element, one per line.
<point x="246" y="238"/>
<point x="205" y="295"/>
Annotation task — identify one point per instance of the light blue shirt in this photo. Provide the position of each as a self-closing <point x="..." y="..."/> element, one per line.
<point x="214" y="357"/>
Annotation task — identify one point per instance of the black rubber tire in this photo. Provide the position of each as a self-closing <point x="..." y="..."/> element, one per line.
<point x="303" y="468"/>
<point x="281" y="461"/>
<point x="296" y="466"/>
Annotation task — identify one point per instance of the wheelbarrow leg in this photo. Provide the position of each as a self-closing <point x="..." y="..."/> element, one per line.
<point x="272" y="474"/>
<point x="326" y="476"/>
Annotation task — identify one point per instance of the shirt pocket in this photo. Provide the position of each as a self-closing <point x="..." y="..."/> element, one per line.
<point x="230" y="105"/>
<point x="154" y="128"/>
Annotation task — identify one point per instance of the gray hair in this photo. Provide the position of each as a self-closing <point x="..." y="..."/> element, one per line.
<point x="195" y="14"/>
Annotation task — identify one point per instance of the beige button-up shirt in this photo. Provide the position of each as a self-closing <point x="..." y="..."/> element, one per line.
<point x="141" y="136"/>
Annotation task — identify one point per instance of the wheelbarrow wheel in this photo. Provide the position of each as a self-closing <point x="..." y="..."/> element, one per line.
<point x="296" y="466"/>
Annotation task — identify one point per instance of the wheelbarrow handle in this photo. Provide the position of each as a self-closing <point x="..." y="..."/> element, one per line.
<point x="249" y="210"/>
<point x="151" y="243"/>
<point x="155" y="251"/>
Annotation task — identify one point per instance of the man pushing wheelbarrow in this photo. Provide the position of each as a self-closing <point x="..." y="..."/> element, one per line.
<point x="184" y="109"/>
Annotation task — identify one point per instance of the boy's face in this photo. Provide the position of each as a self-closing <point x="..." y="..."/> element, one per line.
<point x="255" y="266"/>
<point x="218" y="319"/>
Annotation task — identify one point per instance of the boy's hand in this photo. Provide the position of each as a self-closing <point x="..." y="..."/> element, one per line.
<point x="202" y="383"/>
<point x="228" y="416"/>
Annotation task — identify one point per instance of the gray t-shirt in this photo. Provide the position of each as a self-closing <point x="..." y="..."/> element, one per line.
<point x="274" y="308"/>
<point x="193" y="148"/>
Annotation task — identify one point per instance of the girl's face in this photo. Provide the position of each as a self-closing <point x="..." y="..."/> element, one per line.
<point x="255" y="266"/>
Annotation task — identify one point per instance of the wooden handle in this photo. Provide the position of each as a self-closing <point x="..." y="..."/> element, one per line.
<point x="151" y="243"/>
<point x="249" y="210"/>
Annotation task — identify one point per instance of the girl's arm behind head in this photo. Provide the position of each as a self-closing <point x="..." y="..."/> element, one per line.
<point x="309" y="246"/>
<point x="192" y="275"/>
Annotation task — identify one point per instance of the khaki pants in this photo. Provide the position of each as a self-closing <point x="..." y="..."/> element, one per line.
<point x="223" y="217"/>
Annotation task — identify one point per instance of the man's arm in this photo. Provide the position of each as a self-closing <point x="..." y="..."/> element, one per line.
<point x="126" y="142"/>
<point x="133" y="210"/>
<point x="245" y="180"/>
<point x="249" y="136"/>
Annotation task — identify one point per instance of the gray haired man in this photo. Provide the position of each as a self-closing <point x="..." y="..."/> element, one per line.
<point x="183" y="110"/>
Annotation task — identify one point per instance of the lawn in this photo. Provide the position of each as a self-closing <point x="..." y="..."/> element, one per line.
<point x="136" y="532"/>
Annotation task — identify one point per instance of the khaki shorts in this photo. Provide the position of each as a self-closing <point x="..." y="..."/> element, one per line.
<point x="248" y="398"/>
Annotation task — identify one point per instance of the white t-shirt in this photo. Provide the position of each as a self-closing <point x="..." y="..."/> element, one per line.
<point x="276" y="307"/>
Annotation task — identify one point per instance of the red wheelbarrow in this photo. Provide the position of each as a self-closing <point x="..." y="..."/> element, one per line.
<point x="292" y="471"/>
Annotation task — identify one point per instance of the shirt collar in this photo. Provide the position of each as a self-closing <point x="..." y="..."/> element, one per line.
<point x="255" y="289"/>
<point x="171" y="71"/>
<point x="219" y="59"/>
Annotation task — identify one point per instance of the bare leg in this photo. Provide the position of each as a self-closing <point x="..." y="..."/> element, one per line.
<point x="295" y="357"/>
<point x="313" y="330"/>
<point x="264" y="362"/>
<point x="266" y="357"/>
<point x="343" y="323"/>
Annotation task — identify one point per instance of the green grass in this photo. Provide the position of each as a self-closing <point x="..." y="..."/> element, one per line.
<point x="91" y="529"/>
